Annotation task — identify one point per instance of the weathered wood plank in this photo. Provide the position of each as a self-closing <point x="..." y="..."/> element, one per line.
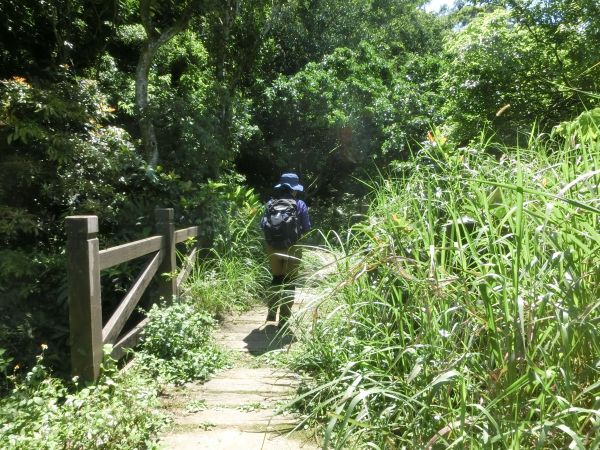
<point x="85" y="308"/>
<point x="111" y="330"/>
<point x="129" y="340"/>
<point x="126" y="252"/>
<point x="186" y="269"/>
<point x="183" y="234"/>
<point x="165" y="227"/>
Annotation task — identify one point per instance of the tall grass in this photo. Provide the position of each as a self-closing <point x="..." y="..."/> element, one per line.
<point x="232" y="274"/>
<point x="466" y="312"/>
<point x="227" y="283"/>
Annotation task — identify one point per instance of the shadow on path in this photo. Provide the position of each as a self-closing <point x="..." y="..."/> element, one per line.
<point x="263" y="340"/>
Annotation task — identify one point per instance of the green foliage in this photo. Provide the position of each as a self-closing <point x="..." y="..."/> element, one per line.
<point x="61" y="154"/>
<point x="43" y="412"/>
<point x="340" y="87"/>
<point x="177" y="344"/>
<point x="489" y="67"/>
<point x="232" y="278"/>
<point x="5" y="362"/>
<point x="58" y="153"/>
<point x="230" y="213"/>
<point x="354" y="109"/>
<point x="332" y="89"/>
<point x="307" y="31"/>
<point x="466" y="302"/>
<point x="184" y="110"/>
<point x="227" y="283"/>
<point x="565" y="29"/>
<point x="584" y="129"/>
<point x="509" y="67"/>
<point x="64" y="158"/>
<point x="38" y="36"/>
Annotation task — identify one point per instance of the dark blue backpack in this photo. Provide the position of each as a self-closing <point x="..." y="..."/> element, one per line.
<point x="280" y="223"/>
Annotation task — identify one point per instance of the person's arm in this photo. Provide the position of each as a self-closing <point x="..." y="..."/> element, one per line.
<point x="303" y="216"/>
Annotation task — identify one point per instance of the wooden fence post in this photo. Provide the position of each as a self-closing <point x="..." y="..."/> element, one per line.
<point x="85" y="308"/>
<point x="165" y="226"/>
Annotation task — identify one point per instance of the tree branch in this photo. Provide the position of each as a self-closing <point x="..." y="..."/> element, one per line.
<point x="146" y="18"/>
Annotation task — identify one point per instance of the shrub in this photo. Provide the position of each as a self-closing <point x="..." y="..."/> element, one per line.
<point x="232" y="276"/>
<point x="177" y="344"/>
<point x="43" y="412"/>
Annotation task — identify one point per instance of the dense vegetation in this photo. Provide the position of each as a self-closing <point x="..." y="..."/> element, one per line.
<point x="46" y="412"/>
<point x="121" y="409"/>
<point x="476" y="262"/>
<point x="464" y="309"/>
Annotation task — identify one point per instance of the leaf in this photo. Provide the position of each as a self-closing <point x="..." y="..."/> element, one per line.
<point x="445" y="377"/>
<point x="416" y="370"/>
<point x="586" y="127"/>
<point x="576" y="443"/>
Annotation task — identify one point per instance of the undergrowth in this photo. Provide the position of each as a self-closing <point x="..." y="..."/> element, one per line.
<point x="233" y="274"/>
<point x="118" y="411"/>
<point x="45" y="412"/>
<point x="465" y="312"/>
<point x="227" y="283"/>
<point x="178" y="345"/>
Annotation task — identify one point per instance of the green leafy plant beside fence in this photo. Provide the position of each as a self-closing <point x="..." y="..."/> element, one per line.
<point x="178" y="346"/>
<point x="233" y="274"/>
<point x="44" y="412"/>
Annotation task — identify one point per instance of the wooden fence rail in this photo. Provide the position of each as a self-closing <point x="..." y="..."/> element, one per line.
<point x="85" y="261"/>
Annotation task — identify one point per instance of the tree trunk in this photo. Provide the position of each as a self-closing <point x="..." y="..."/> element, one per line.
<point x="153" y="42"/>
<point x="225" y="115"/>
<point x="147" y="132"/>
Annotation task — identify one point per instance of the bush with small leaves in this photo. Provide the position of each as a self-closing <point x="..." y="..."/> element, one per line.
<point x="178" y="345"/>
<point x="44" y="412"/>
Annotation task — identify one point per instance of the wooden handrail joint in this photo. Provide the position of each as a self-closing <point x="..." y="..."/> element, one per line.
<point x="113" y="327"/>
<point x="185" y="233"/>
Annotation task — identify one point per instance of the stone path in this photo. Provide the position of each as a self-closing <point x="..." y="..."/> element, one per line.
<point x="238" y="409"/>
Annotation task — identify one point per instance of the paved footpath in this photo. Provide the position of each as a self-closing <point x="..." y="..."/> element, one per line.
<point x="238" y="408"/>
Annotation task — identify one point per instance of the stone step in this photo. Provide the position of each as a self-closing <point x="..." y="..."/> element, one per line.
<point x="228" y="400"/>
<point x="258" y="373"/>
<point x="259" y="313"/>
<point x="252" y="339"/>
<point x="235" y="439"/>
<point x="252" y="420"/>
<point x="256" y="386"/>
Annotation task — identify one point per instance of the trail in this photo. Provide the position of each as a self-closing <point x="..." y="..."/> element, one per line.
<point x="238" y="409"/>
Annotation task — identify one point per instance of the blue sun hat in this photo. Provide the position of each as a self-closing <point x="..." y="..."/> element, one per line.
<point x="291" y="181"/>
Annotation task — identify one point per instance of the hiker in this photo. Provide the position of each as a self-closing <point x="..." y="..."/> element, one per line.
<point x="284" y="222"/>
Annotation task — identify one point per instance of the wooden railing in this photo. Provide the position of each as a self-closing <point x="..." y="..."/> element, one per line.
<point x="85" y="261"/>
